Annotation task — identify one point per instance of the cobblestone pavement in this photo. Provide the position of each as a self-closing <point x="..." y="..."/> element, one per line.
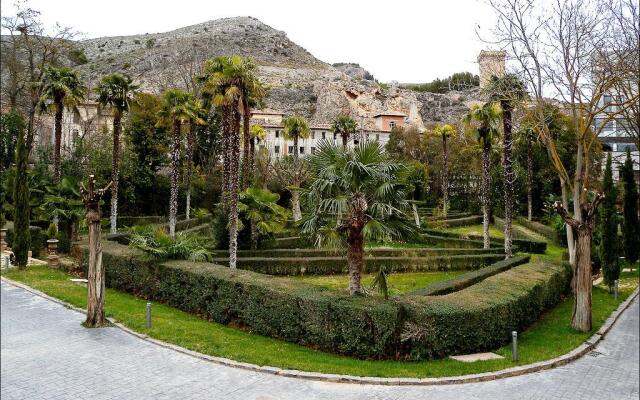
<point x="47" y="354"/>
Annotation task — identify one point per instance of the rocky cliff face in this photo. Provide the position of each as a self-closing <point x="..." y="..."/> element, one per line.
<point x="299" y="83"/>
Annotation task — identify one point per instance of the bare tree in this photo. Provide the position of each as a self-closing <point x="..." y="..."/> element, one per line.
<point x="562" y="52"/>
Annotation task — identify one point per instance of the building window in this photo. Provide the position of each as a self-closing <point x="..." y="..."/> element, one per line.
<point x="313" y="135"/>
<point x="392" y="124"/>
<point x="290" y="149"/>
<point x="377" y="137"/>
<point x="355" y="142"/>
<point x="313" y="149"/>
<point x="301" y="149"/>
<point x="324" y="135"/>
<point x="276" y="149"/>
<point x="277" y="134"/>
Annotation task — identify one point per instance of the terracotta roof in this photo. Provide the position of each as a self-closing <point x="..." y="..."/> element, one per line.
<point x="390" y="114"/>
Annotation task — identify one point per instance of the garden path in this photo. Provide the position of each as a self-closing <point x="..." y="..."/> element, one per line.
<point x="47" y="354"/>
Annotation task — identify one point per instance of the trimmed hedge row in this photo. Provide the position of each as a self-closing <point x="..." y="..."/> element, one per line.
<point x="294" y="242"/>
<point x="470" y="278"/>
<point x="338" y="265"/>
<point x="524" y="245"/>
<point x="451" y="223"/>
<point x="477" y="318"/>
<point x="539" y="228"/>
<point x="373" y="252"/>
<point x="433" y="238"/>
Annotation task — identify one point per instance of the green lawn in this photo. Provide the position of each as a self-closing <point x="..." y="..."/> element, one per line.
<point x="550" y="337"/>
<point x="398" y="283"/>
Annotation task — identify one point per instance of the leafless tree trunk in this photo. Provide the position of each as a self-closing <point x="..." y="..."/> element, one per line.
<point x="96" y="275"/>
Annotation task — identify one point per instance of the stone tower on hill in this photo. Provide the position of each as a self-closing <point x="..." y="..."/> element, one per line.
<point x="491" y="63"/>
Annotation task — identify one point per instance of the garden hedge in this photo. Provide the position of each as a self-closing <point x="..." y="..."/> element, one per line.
<point x="451" y="223"/>
<point x="373" y="252"/>
<point x="470" y="278"/>
<point x="524" y="245"/>
<point x="338" y="265"/>
<point x="477" y="318"/>
<point x="540" y="228"/>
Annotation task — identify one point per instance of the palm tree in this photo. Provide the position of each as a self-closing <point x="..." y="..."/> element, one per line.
<point x="344" y="126"/>
<point x="260" y="206"/>
<point x="61" y="87"/>
<point x="64" y="201"/>
<point x="116" y="91"/>
<point x="356" y="196"/>
<point x="228" y="80"/>
<point x="295" y="127"/>
<point x="445" y="131"/>
<point x="178" y="109"/>
<point x="509" y="91"/>
<point x="199" y="115"/>
<point x="252" y="97"/>
<point x="488" y="118"/>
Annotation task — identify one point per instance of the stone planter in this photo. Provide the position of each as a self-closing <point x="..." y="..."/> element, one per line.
<point x="53" y="260"/>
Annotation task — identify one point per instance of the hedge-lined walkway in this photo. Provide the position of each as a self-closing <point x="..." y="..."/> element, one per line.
<point x="47" y="354"/>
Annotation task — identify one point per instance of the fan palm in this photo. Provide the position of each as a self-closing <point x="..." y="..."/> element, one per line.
<point x="228" y="81"/>
<point x="116" y="91"/>
<point x="509" y="91"/>
<point x="178" y="108"/>
<point x="445" y="131"/>
<point x="487" y="116"/>
<point x="295" y="127"/>
<point x="344" y="126"/>
<point x="356" y="196"/>
<point x="63" y="201"/>
<point x="61" y="87"/>
<point x="260" y="206"/>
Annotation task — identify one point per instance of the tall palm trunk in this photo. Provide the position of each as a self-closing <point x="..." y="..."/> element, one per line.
<point x="485" y="189"/>
<point x="355" y="259"/>
<point x="58" y="140"/>
<point x="296" y="150"/>
<point x="175" y="158"/>
<point x="115" y="161"/>
<point x="189" y="151"/>
<point x="295" y="194"/>
<point x="345" y="140"/>
<point x="232" y="125"/>
<point x="445" y="175"/>
<point x="529" y="180"/>
<point x="509" y="178"/>
<point x="247" y="166"/>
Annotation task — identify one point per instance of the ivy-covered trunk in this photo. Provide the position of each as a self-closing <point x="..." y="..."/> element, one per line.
<point x="232" y="127"/>
<point x="247" y="166"/>
<point x="115" y="172"/>
<point x="445" y="176"/>
<point x="355" y="259"/>
<point x="509" y="178"/>
<point x="529" y="180"/>
<point x="175" y="159"/>
<point x="485" y="190"/>
<point x="189" y="151"/>
<point x="57" y="146"/>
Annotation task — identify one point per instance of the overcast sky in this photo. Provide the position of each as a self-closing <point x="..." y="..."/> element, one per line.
<point x="407" y="41"/>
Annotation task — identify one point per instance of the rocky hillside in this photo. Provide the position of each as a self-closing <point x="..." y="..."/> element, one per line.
<point x="299" y="83"/>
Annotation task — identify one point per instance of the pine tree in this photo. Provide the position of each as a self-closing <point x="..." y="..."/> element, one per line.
<point x="631" y="229"/>
<point x="22" y="240"/>
<point x="609" y="228"/>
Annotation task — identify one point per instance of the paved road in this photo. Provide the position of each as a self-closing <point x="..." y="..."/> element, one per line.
<point x="46" y="354"/>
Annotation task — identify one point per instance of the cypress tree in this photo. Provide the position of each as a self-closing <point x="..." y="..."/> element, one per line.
<point x="631" y="230"/>
<point x="609" y="228"/>
<point x="22" y="239"/>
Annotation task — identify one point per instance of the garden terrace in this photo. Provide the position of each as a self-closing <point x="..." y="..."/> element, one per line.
<point x="521" y="244"/>
<point x="479" y="317"/>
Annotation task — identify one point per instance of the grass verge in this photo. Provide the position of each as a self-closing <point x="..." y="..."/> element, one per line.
<point x="550" y="337"/>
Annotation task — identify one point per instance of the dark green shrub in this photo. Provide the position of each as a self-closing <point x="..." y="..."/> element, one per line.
<point x="480" y="317"/>
<point x="21" y="199"/>
<point x="631" y="226"/>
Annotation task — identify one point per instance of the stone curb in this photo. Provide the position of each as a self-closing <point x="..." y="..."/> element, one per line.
<point x="573" y="355"/>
